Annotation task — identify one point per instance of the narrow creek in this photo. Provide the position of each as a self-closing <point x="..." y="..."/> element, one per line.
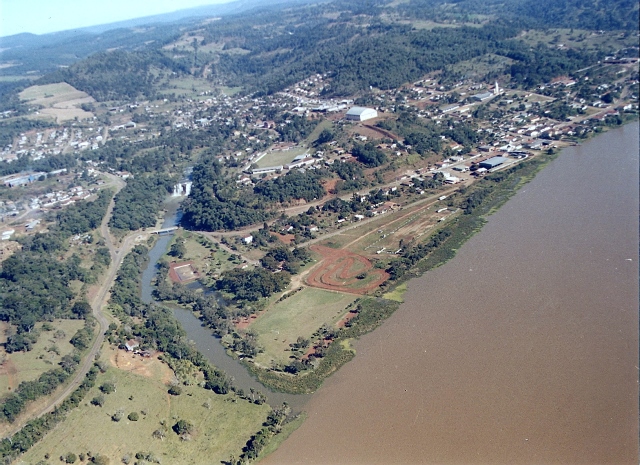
<point x="209" y="345"/>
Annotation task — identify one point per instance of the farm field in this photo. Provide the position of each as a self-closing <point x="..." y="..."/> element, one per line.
<point x="300" y="315"/>
<point x="61" y="101"/>
<point x="222" y="427"/>
<point x="52" y="345"/>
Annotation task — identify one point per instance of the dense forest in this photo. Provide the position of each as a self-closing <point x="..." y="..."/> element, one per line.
<point x="34" y="282"/>
<point x="137" y="205"/>
<point x="215" y="203"/>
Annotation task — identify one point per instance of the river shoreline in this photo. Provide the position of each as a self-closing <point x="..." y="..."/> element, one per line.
<point x="530" y="360"/>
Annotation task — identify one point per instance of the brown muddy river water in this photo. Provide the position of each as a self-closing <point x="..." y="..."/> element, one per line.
<point x="521" y="350"/>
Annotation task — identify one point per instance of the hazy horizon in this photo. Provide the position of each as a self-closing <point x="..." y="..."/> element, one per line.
<point x="46" y="16"/>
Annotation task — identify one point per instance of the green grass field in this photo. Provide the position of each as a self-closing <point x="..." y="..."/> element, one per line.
<point x="480" y="66"/>
<point x="187" y="86"/>
<point x="280" y="157"/>
<point x="208" y="261"/>
<point x="300" y="315"/>
<point x="46" y="353"/>
<point x="222" y="426"/>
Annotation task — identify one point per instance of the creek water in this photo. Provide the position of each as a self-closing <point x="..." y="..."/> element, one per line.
<point x="523" y="349"/>
<point x="205" y="342"/>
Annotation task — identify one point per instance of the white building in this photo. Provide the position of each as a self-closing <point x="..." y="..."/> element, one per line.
<point x="361" y="114"/>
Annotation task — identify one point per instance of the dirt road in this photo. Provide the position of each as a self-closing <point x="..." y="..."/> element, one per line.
<point x="97" y="303"/>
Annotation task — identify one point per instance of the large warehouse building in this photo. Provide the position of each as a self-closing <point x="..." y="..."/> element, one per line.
<point x="492" y="162"/>
<point x="361" y="114"/>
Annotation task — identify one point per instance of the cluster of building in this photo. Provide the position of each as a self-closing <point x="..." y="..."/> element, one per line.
<point x="61" y="198"/>
<point x="52" y="142"/>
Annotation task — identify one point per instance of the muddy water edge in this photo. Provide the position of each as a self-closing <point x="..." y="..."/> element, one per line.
<point x="523" y="349"/>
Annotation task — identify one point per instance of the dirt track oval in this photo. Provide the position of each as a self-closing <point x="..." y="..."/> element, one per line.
<point x="343" y="271"/>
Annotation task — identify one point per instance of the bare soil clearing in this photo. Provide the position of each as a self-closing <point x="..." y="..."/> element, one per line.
<point x="339" y="270"/>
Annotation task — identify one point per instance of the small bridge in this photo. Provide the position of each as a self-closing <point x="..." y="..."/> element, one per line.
<point x="165" y="230"/>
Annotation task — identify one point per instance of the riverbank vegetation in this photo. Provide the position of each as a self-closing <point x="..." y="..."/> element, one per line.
<point x="137" y="205"/>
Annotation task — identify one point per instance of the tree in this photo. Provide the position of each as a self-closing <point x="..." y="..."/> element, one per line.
<point x="325" y="136"/>
<point x="133" y="416"/>
<point x="81" y="309"/>
<point x="178" y="249"/>
<point x="100" y="460"/>
<point x="175" y="390"/>
<point x="183" y="428"/>
<point x="108" y="387"/>
<point x="70" y="458"/>
<point x="98" y="400"/>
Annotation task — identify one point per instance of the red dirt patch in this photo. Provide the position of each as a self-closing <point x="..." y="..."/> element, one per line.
<point x="287" y="239"/>
<point x="338" y="271"/>
<point x="345" y="319"/>
<point x="330" y="185"/>
<point x="182" y="272"/>
<point x="245" y="321"/>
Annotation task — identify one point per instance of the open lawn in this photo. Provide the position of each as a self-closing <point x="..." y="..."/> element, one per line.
<point x="300" y="315"/>
<point x="279" y="157"/>
<point x="52" y="345"/>
<point x="222" y="424"/>
<point x="208" y="258"/>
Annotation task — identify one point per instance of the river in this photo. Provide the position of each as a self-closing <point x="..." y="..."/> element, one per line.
<point x="203" y="339"/>
<point x="523" y="349"/>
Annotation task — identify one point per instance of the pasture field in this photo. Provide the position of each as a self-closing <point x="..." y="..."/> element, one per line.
<point x="280" y="157"/>
<point x="52" y="345"/>
<point x="482" y="65"/>
<point x="300" y="315"/>
<point x="51" y="93"/>
<point x="61" y="101"/>
<point x="187" y="86"/>
<point x="580" y="38"/>
<point x="222" y="423"/>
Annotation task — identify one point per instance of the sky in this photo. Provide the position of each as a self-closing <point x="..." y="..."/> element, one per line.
<point x="44" y="16"/>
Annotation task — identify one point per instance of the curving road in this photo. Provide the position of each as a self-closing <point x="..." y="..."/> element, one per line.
<point x="98" y="302"/>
